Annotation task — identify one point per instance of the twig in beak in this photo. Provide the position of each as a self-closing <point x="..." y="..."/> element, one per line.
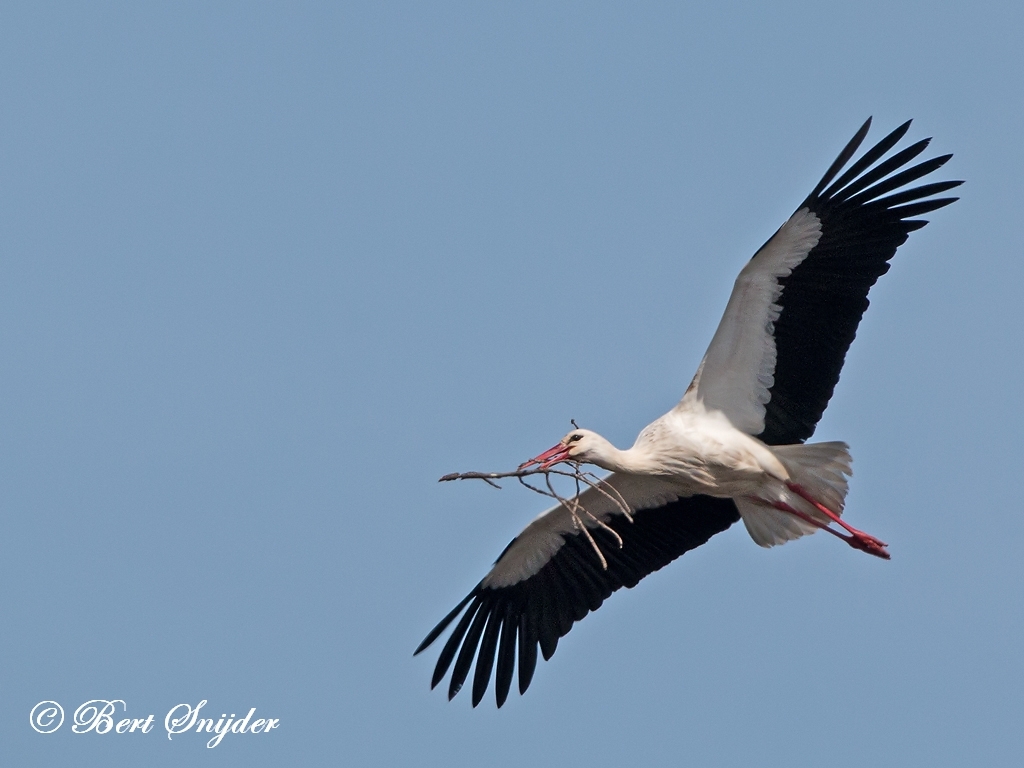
<point x="573" y="506"/>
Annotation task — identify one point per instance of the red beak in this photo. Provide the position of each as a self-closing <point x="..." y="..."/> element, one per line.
<point x="549" y="458"/>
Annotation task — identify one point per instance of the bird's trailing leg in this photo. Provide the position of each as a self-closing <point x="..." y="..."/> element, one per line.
<point x="857" y="539"/>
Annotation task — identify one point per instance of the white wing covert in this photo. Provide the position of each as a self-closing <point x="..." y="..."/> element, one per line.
<point x="738" y="369"/>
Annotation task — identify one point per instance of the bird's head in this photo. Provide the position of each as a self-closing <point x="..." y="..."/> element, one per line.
<point x="580" y="445"/>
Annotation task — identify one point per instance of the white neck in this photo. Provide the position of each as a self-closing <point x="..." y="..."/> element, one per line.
<point x="635" y="460"/>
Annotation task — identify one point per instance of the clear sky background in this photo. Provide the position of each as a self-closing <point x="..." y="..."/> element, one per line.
<point x="268" y="271"/>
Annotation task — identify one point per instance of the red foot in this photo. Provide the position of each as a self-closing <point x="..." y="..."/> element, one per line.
<point x="869" y="544"/>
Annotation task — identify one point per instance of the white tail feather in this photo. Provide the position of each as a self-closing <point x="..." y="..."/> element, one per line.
<point x="821" y="469"/>
<point x="768" y="526"/>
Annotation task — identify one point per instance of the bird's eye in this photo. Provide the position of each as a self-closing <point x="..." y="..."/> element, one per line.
<point x="575" y="438"/>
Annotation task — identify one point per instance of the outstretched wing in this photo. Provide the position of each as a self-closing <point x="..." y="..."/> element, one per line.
<point x="550" y="577"/>
<point x="775" y="359"/>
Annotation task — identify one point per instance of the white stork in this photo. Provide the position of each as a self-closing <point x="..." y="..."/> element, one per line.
<point x="733" y="448"/>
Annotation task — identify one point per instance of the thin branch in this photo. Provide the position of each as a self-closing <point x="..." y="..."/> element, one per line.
<point x="488" y="476"/>
<point x="573" y="506"/>
<point x="577" y="505"/>
<point x="599" y="484"/>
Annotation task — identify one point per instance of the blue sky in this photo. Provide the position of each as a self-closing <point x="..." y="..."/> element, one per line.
<point x="268" y="271"/>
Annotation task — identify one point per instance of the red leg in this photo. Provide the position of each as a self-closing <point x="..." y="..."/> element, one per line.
<point x="866" y="538"/>
<point x="857" y="539"/>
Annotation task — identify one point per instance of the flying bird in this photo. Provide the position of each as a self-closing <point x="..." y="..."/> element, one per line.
<point x="732" y="449"/>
